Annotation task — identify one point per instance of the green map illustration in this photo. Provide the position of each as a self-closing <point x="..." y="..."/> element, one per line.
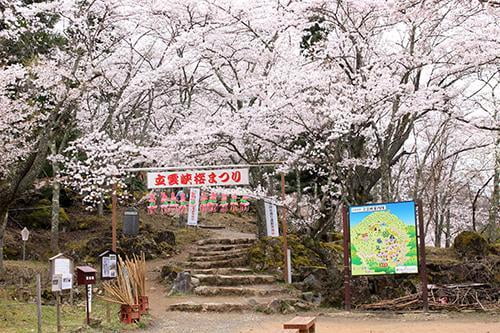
<point x="381" y="243"/>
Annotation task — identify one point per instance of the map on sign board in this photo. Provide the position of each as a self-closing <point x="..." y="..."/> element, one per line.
<point x="383" y="239"/>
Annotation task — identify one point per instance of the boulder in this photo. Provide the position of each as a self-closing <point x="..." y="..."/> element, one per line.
<point x="166" y="236"/>
<point x="312" y="283"/>
<point x="182" y="284"/>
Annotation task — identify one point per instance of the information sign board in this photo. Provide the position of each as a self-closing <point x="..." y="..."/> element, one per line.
<point x="383" y="239"/>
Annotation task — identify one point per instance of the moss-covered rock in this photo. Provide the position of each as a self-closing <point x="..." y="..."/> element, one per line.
<point x="267" y="254"/>
<point x="40" y="217"/>
<point x="470" y="245"/>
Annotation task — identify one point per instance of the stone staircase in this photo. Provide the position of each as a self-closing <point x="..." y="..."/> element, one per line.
<point x="226" y="283"/>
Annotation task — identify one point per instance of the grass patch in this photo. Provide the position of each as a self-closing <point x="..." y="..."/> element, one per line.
<point x="17" y="317"/>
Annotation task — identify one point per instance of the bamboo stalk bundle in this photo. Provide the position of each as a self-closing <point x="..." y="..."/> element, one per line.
<point x="130" y="283"/>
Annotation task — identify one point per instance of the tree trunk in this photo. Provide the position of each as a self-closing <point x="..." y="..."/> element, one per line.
<point x="448" y="230"/>
<point x="3" y="225"/>
<point x="56" y="191"/>
<point x="492" y="232"/>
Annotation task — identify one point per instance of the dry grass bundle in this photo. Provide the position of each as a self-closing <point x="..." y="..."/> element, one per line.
<point x="130" y="283"/>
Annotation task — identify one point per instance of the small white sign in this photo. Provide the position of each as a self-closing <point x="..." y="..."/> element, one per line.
<point x="368" y="209"/>
<point x="62" y="266"/>
<point x="198" y="178"/>
<point x="194" y="203"/>
<point x="57" y="282"/>
<point x="406" y="269"/>
<point x="67" y="281"/>
<point x="109" y="266"/>
<point x="271" y="219"/>
<point x="25" y="234"/>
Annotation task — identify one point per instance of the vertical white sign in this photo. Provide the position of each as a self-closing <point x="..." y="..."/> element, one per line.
<point x="289" y="265"/>
<point x="89" y="293"/>
<point x="194" y="203"/>
<point x="271" y="219"/>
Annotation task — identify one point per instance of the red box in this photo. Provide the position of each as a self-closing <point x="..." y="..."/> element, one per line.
<point x="85" y="275"/>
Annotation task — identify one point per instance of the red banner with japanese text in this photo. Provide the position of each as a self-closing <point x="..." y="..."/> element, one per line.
<point x="221" y="177"/>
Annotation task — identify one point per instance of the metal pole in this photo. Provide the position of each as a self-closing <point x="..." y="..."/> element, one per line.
<point x="285" y="231"/>
<point x="24" y="250"/>
<point x="39" y="302"/>
<point x="347" y="271"/>
<point x="423" y="263"/>
<point x="113" y="218"/>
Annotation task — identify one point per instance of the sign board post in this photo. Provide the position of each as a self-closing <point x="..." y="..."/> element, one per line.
<point x="194" y="203"/>
<point x="422" y="261"/>
<point x="381" y="239"/>
<point x="347" y="272"/>
<point x="25" y="234"/>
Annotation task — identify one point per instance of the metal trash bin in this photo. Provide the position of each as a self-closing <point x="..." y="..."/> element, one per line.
<point x="131" y="222"/>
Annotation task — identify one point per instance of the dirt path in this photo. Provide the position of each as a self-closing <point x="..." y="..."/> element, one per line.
<point x="181" y="322"/>
<point x="327" y="322"/>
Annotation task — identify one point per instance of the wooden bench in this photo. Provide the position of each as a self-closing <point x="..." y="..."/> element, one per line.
<point x="303" y="324"/>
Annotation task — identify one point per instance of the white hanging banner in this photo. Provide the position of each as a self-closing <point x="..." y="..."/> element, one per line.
<point x="271" y="219"/>
<point x="194" y="203"/>
<point x="197" y="178"/>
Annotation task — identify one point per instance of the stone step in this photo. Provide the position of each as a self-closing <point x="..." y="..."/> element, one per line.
<point x="233" y="280"/>
<point x="222" y="256"/>
<point x="259" y="291"/>
<point x="223" y="271"/>
<point x="238" y="262"/>
<point x="225" y="241"/>
<point x="222" y="247"/>
<point x="216" y="253"/>
<point x="209" y="307"/>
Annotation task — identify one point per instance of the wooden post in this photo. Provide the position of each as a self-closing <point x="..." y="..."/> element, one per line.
<point x="422" y="261"/>
<point x="39" y="302"/>
<point x="58" y="311"/>
<point x="24" y="250"/>
<point x="285" y="231"/>
<point x="347" y="268"/>
<point x="113" y="217"/>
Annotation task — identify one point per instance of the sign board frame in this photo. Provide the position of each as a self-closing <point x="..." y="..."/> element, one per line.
<point x="422" y="270"/>
<point x="386" y="213"/>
